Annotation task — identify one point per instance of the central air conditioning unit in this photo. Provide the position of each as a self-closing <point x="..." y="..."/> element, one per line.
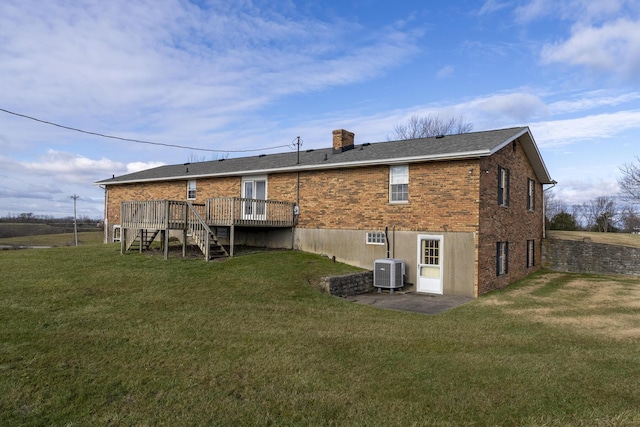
<point x="388" y="273"/>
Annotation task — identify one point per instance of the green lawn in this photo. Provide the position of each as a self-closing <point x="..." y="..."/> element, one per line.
<point x="62" y="239"/>
<point x="91" y="337"/>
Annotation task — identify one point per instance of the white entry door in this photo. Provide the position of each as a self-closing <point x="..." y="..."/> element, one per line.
<point x="256" y="190"/>
<point x="430" y="264"/>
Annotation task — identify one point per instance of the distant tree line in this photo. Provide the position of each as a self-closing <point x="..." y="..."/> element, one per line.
<point x="28" y="224"/>
<point x="604" y="213"/>
<point x="30" y="218"/>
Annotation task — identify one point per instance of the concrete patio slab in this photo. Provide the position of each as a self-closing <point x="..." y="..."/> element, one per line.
<point x="410" y="301"/>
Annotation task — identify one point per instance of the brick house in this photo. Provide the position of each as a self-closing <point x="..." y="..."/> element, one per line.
<point x="464" y="212"/>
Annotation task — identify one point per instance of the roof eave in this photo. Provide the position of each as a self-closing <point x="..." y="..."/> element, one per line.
<point x="532" y="152"/>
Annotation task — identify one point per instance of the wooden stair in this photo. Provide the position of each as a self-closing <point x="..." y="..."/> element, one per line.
<point x="204" y="237"/>
<point x="216" y="250"/>
<point x="143" y="240"/>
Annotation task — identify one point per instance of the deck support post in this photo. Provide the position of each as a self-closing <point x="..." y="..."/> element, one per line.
<point x="184" y="243"/>
<point x="123" y="240"/>
<point x="207" y="248"/>
<point x="232" y="228"/>
<point x="165" y="240"/>
<point x="141" y="234"/>
<point x="232" y="234"/>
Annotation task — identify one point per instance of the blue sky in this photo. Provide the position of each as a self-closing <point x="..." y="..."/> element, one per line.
<point x="250" y="75"/>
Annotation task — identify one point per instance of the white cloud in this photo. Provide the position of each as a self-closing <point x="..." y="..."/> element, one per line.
<point x="564" y="132"/>
<point x="126" y="61"/>
<point x="585" y="11"/>
<point x="445" y="72"/>
<point x="491" y="6"/>
<point x="613" y="48"/>
<point x="533" y="10"/>
<point x="590" y="100"/>
<point x="66" y="163"/>
<point x="139" y="166"/>
<point x="517" y="106"/>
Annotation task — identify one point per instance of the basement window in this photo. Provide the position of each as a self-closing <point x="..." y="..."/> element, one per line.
<point x="502" y="258"/>
<point x="376" y="238"/>
<point x="531" y="253"/>
<point x="117" y="233"/>
<point x="191" y="190"/>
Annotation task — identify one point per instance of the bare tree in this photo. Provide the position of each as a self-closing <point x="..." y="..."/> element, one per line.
<point x="601" y="213"/>
<point x="552" y="205"/>
<point x="629" y="182"/>
<point x="194" y="158"/>
<point x="630" y="219"/>
<point x="430" y="125"/>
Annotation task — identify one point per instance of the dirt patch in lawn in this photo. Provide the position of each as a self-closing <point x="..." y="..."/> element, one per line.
<point x="600" y="306"/>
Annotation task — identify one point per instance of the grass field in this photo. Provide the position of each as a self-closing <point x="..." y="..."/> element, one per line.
<point x="63" y="239"/>
<point x="622" y="239"/>
<point x="91" y="337"/>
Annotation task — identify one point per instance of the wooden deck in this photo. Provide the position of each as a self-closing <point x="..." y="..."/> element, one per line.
<point x="219" y="211"/>
<point x="201" y="220"/>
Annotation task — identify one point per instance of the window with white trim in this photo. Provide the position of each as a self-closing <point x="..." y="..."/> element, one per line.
<point x="503" y="186"/>
<point x="191" y="190"/>
<point x="117" y="233"/>
<point x="531" y="253"/>
<point x="531" y="194"/>
<point x="376" y="238"/>
<point x="399" y="184"/>
<point x="502" y="258"/>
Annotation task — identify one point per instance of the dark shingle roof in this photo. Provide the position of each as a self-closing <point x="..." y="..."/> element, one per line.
<point x="468" y="145"/>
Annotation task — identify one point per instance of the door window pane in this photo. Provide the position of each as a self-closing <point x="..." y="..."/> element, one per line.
<point x="431" y="252"/>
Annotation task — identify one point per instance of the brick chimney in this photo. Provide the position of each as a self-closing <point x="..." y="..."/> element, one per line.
<point x="342" y="140"/>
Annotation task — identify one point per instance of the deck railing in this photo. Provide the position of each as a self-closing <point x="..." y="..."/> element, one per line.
<point x="218" y="211"/>
<point x="249" y="212"/>
<point x="153" y="214"/>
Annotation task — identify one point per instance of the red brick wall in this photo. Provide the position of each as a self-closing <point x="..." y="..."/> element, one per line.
<point x="443" y="196"/>
<point x="171" y="190"/>
<point x="514" y="224"/>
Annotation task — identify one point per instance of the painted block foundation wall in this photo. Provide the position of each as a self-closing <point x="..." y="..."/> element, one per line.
<point x="349" y="246"/>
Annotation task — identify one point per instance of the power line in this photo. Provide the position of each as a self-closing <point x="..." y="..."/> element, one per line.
<point x="137" y="140"/>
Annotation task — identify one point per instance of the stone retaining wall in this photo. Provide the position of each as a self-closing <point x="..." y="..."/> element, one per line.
<point x="588" y="257"/>
<point x="348" y="284"/>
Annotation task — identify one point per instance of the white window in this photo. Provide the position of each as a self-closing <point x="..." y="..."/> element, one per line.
<point x="376" y="238"/>
<point x="399" y="183"/>
<point x="531" y="253"/>
<point x="531" y="194"/>
<point x="503" y="186"/>
<point x="502" y="258"/>
<point x="191" y="190"/>
<point x="116" y="233"/>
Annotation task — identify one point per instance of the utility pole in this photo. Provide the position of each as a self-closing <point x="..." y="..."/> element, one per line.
<point x="298" y="144"/>
<point x="75" y="221"/>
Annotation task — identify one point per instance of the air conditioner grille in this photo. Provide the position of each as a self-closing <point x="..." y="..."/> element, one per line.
<point x="388" y="273"/>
